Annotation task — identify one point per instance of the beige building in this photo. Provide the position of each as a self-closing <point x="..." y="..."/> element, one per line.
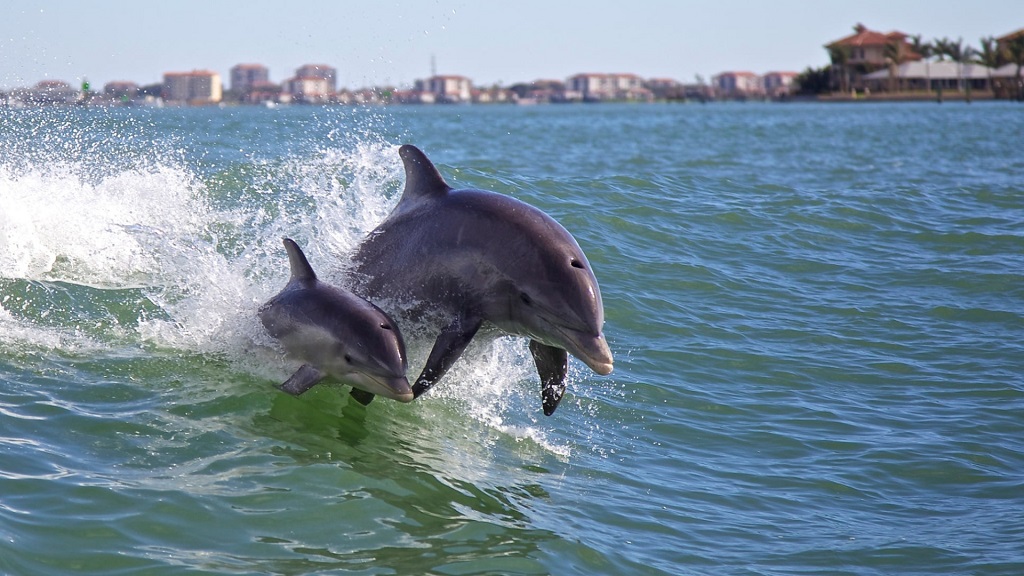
<point x="606" y="87"/>
<point x="449" y="89"/>
<point x="322" y="71"/>
<point x="197" y="87"/>
<point x="307" y="89"/>
<point x="778" y="84"/>
<point x="245" y="77"/>
<point x="737" y="85"/>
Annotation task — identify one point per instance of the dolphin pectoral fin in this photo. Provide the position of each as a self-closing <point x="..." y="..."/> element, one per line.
<point x="362" y="396"/>
<point x="304" y="378"/>
<point x="552" y="364"/>
<point x="447" y="348"/>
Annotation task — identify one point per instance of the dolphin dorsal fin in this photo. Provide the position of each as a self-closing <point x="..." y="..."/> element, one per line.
<point x="301" y="270"/>
<point x="421" y="177"/>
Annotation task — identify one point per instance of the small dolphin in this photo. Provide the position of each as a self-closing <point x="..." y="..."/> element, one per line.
<point x="473" y="256"/>
<point x="335" y="333"/>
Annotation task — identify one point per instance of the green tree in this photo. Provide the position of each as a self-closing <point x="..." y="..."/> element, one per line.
<point x="989" y="56"/>
<point x="895" y="55"/>
<point x="813" y="81"/>
<point x="1015" y="54"/>
<point x="926" y="50"/>
<point x="956" y="53"/>
<point x="840" y="56"/>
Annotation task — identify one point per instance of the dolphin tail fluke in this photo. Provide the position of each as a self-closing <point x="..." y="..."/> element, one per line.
<point x="304" y="378"/>
<point x="362" y="396"/>
<point x="552" y="364"/>
<point x="447" y="348"/>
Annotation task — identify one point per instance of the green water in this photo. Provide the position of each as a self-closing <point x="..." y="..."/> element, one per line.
<point x="817" y="314"/>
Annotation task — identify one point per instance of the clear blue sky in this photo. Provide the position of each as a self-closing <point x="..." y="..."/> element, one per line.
<point x="507" y="41"/>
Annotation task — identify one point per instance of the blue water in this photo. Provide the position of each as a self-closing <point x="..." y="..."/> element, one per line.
<point x="817" y="313"/>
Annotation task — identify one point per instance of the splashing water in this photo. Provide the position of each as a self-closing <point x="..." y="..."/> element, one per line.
<point x="157" y="254"/>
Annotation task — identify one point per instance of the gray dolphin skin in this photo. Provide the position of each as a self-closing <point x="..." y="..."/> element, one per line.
<point x="473" y="256"/>
<point x="335" y="333"/>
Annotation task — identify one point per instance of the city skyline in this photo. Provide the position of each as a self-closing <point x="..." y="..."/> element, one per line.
<point x="397" y="44"/>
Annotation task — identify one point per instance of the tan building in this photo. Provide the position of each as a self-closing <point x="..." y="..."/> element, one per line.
<point x="197" y="87"/>
<point x="737" y="85"/>
<point x="307" y="89"/>
<point x="778" y="84"/>
<point x="591" y="86"/>
<point x="322" y="71"/>
<point x="245" y="77"/>
<point x="448" y="89"/>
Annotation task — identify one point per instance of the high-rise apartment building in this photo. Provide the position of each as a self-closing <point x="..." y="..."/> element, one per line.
<point x="195" y="87"/>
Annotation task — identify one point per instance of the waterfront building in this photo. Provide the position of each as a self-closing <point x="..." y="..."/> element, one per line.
<point x="413" y="97"/>
<point x="307" y="90"/>
<point x="737" y="85"/>
<point x="1003" y="42"/>
<point x="867" y="48"/>
<point x="245" y="77"/>
<point x="778" y="84"/>
<point x="864" y="52"/>
<point x="121" y="89"/>
<point x="197" y="87"/>
<point x="450" y="89"/>
<point x="49" y="92"/>
<point x="322" y="71"/>
<point x="593" y="87"/>
<point x="930" y="76"/>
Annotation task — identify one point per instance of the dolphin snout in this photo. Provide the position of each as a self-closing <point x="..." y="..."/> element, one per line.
<point x="398" y="388"/>
<point x="595" y="353"/>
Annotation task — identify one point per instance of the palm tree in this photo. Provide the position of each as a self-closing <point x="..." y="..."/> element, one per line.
<point x="840" y="56"/>
<point x="926" y="50"/>
<point x="990" y="56"/>
<point x="968" y="56"/>
<point x="941" y="48"/>
<point x="896" y="54"/>
<point x="1015" y="52"/>
<point x="955" y="51"/>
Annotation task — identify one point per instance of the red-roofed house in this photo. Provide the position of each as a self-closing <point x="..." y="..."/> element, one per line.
<point x="737" y="85"/>
<point x="865" y="51"/>
<point x="867" y="47"/>
<point x="1004" y="41"/>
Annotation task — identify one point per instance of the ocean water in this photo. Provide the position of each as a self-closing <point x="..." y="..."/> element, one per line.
<point x="817" y="313"/>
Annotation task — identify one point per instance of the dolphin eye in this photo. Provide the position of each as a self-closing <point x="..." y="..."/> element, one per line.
<point x="385" y="326"/>
<point x="348" y="358"/>
<point x="526" y="299"/>
<point x="576" y="264"/>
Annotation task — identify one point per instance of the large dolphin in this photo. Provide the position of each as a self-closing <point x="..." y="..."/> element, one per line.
<point x="472" y="256"/>
<point x="335" y="333"/>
